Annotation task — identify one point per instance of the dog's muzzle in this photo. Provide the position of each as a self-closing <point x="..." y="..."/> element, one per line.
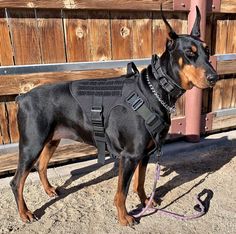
<point x="212" y="79"/>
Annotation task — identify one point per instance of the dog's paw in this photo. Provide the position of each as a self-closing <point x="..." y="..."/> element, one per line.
<point x="51" y="192"/>
<point x="127" y="220"/>
<point x="152" y="205"/>
<point x="28" y="217"/>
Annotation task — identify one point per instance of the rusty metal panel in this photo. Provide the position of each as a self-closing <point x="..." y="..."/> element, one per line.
<point x="181" y="5"/>
<point x="215" y="7"/>
<point x="177" y="126"/>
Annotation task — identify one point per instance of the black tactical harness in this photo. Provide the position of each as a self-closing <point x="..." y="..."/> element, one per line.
<point x="98" y="97"/>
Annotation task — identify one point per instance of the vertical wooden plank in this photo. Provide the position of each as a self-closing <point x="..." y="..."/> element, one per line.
<point x="159" y="34"/>
<point x="11" y="108"/>
<point x="76" y="35"/>
<point x="24" y="33"/>
<point x="233" y="99"/>
<point x="121" y="35"/>
<point x="228" y="92"/>
<point x="142" y="35"/>
<point x="231" y="48"/>
<point x="51" y="35"/>
<point x="99" y="35"/>
<point x="5" y="139"/>
<point x="6" y="53"/>
<point x="218" y="92"/>
<point x="220" y="31"/>
<point x="231" y="35"/>
<point x="179" y="22"/>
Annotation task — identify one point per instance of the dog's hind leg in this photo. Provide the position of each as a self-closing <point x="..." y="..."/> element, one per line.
<point x="126" y="170"/>
<point x="33" y="131"/>
<point x="28" y="155"/>
<point x="42" y="165"/>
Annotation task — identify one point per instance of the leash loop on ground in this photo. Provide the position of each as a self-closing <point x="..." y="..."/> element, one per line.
<point x="166" y="212"/>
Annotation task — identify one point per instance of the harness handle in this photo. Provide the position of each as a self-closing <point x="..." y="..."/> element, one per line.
<point x="131" y="69"/>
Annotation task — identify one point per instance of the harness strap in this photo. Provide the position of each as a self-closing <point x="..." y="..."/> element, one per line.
<point x="98" y="127"/>
<point x="154" y="123"/>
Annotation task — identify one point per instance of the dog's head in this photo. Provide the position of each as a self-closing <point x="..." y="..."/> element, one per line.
<point x="189" y="57"/>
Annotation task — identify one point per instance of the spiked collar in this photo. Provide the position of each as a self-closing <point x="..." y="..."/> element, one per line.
<point x="166" y="82"/>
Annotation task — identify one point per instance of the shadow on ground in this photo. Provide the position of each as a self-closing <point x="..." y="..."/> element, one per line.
<point x="188" y="166"/>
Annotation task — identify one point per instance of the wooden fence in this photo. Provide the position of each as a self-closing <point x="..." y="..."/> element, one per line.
<point x="64" y="31"/>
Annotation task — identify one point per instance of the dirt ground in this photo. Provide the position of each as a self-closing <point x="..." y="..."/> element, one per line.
<point x="85" y="204"/>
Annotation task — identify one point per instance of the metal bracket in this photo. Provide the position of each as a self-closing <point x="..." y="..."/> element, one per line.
<point x="215" y="6"/>
<point x="177" y="127"/>
<point x="181" y="5"/>
<point x="206" y="121"/>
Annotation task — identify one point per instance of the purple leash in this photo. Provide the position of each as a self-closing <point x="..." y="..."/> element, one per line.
<point x="165" y="212"/>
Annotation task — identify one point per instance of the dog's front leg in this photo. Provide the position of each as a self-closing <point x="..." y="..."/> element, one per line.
<point x="139" y="180"/>
<point x="126" y="170"/>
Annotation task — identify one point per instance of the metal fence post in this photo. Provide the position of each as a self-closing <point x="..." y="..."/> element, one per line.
<point x="193" y="100"/>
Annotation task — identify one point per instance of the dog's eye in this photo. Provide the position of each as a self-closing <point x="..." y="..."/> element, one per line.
<point x="190" y="53"/>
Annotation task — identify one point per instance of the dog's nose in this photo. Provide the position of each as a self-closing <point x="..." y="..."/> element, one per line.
<point x="212" y="78"/>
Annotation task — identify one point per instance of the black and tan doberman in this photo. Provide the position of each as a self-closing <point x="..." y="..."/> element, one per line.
<point x="134" y="118"/>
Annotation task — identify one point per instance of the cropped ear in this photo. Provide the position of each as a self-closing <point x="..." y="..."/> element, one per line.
<point x="196" y="27"/>
<point x="170" y="31"/>
<point x="170" y="44"/>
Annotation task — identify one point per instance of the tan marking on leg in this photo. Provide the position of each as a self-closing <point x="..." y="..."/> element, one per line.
<point x="24" y="213"/>
<point x="139" y="181"/>
<point x="119" y="202"/>
<point x="44" y="159"/>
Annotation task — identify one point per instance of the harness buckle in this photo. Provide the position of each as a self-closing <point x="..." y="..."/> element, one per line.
<point x="97" y="109"/>
<point x="166" y="85"/>
<point x="135" y="101"/>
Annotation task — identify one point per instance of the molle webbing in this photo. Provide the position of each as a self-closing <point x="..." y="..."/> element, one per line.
<point x="101" y="87"/>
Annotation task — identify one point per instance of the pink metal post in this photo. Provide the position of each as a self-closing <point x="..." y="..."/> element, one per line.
<point x="193" y="99"/>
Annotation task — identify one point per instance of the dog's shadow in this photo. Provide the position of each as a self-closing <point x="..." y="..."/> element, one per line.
<point x="201" y="166"/>
<point x="63" y="191"/>
<point x="189" y="171"/>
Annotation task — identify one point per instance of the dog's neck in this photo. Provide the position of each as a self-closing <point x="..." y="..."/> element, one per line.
<point x="150" y="79"/>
